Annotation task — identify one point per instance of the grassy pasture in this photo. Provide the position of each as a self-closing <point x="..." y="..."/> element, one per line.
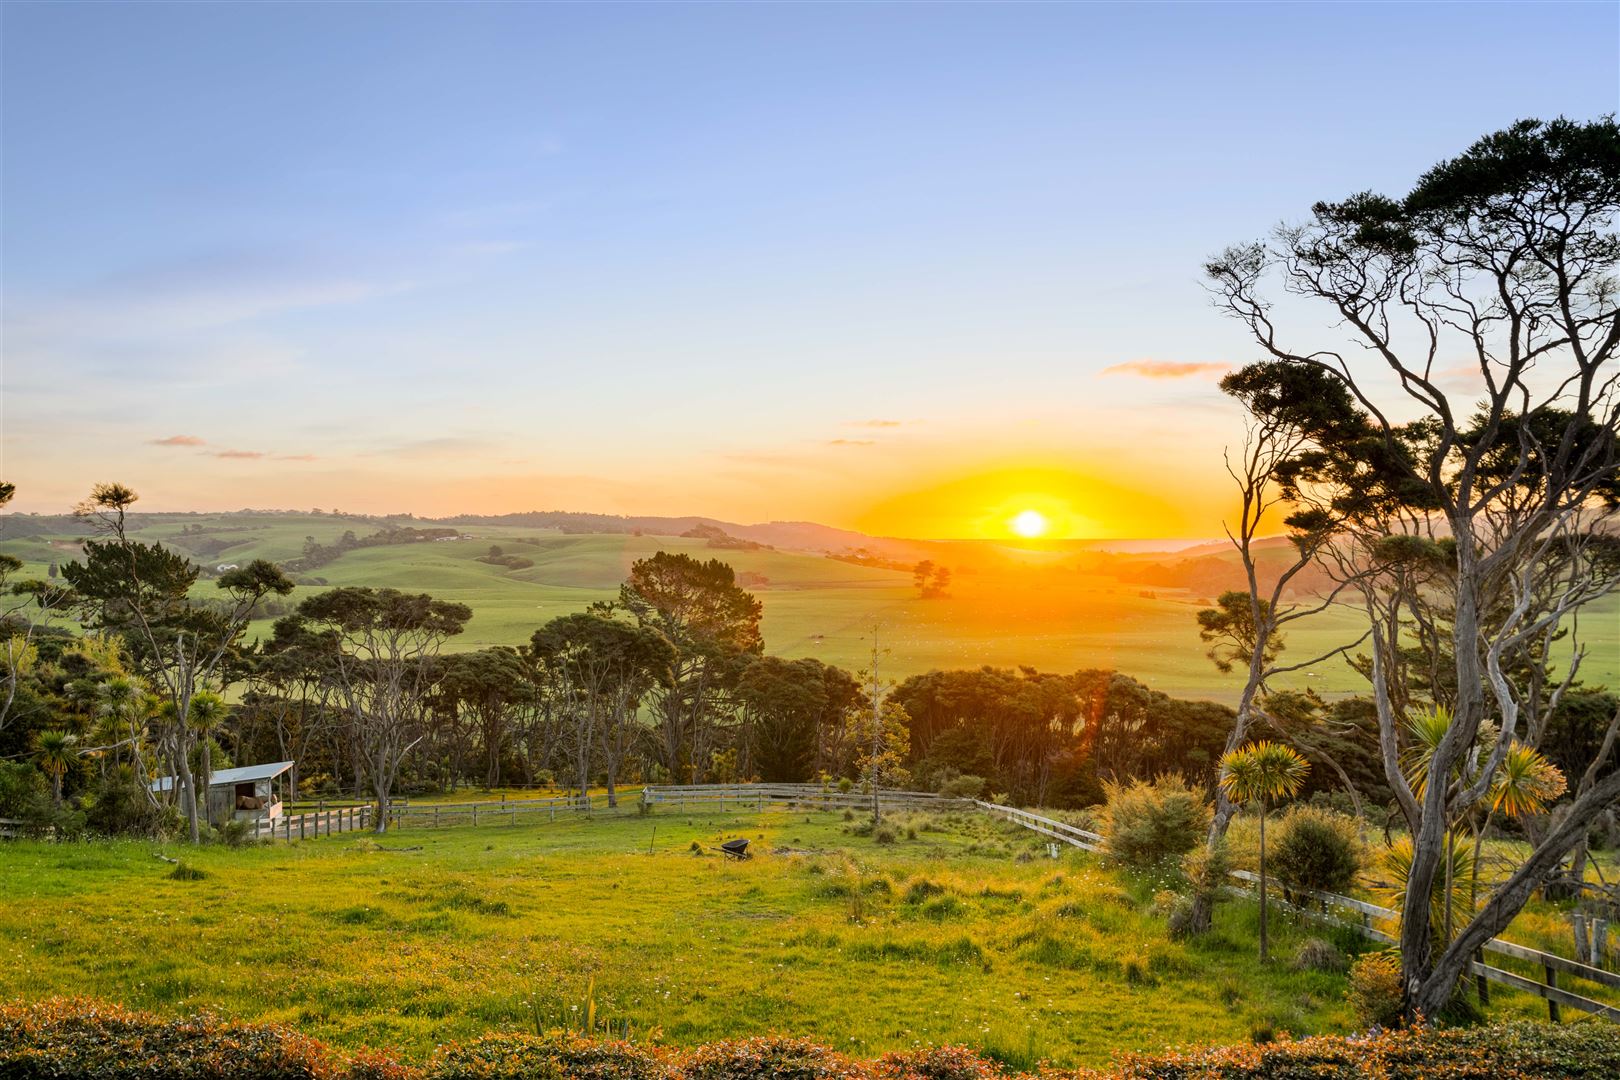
<point x="942" y="936"/>
<point x="1050" y="617"/>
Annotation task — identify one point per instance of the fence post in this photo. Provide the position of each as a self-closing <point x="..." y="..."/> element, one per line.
<point x="1554" y="1013"/>
<point x="287" y="823"/>
<point x="1583" y="944"/>
<point x="301" y="818"/>
<point x="1600" y="943"/>
<point x="435" y="817"/>
<point x="475" y="813"/>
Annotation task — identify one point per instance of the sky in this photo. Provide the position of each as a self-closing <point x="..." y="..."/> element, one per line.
<point x="910" y="269"/>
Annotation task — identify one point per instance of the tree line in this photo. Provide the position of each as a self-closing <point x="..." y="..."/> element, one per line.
<point x="668" y="682"/>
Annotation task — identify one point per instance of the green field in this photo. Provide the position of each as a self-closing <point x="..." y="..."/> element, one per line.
<point x="941" y="936"/>
<point x="1051" y="618"/>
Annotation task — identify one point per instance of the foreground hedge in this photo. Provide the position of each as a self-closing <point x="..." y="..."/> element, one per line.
<point x="85" y="1040"/>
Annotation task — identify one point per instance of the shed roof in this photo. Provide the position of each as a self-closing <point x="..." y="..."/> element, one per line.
<point x="226" y="777"/>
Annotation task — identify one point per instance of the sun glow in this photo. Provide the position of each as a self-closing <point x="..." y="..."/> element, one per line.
<point x="1029" y="524"/>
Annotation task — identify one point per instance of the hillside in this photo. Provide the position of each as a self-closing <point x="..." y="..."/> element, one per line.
<point x="1058" y="608"/>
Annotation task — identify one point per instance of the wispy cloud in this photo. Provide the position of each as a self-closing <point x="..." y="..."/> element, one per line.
<point x="178" y="440"/>
<point x="1165" y="369"/>
<point x="874" y="423"/>
<point x="243" y="454"/>
<point x="296" y="457"/>
<point x="849" y="442"/>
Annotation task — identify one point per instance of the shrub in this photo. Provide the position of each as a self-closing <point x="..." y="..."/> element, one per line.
<point x="884" y="834"/>
<point x="1315" y="848"/>
<point x="963" y="787"/>
<point x="1375" y="989"/>
<point x="1181" y="922"/>
<point x="118" y="805"/>
<point x="936" y="1063"/>
<point x="1318" y="955"/>
<point x="768" y="1058"/>
<point x="1147" y="823"/>
<point x="921" y="889"/>
<point x="90" y="1040"/>
<point x="184" y="871"/>
<point x="58" y="1039"/>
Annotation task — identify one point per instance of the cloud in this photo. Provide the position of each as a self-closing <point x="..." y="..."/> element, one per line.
<point x="244" y="454"/>
<point x="1164" y="369"/>
<point x="873" y="423"/>
<point x="849" y="442"/>
<point x="296" y="457"/>
<point x="178" y="440"/>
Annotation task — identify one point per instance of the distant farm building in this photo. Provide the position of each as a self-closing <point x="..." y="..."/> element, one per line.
<point x="250" y="793"/>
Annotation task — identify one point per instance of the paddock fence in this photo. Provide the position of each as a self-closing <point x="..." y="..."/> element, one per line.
<point x="315" y="823"/>
<point x="1364" y="918"/>
<point x="792" y="797"/>
<point x="1358" y="916"/>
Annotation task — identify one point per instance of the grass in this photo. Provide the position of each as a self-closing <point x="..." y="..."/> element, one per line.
<point x="1049" y="617"/>
<point x="956" y="932"/>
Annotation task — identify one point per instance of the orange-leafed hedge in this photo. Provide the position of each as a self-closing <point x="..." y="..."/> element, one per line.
<point x="64" y="1039"/>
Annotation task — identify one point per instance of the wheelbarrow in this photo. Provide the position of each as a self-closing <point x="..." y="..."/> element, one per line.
<point x="735" y="849"/>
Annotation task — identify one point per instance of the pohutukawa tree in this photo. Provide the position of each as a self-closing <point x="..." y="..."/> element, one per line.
<point x="1475" y="323"/>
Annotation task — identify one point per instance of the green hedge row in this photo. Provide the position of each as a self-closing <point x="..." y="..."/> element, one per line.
<point x="85" y="1040"/>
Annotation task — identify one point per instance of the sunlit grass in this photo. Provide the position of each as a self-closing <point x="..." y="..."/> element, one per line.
<point x="942" y="936"/>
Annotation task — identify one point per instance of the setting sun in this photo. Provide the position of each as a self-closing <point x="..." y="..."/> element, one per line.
<point x="1029" y="524"/>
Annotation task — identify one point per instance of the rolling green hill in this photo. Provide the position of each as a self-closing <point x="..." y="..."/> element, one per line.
<point x="1048" y="615"/>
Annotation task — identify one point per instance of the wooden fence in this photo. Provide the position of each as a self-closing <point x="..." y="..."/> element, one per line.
<point x="507" y="812"/>
<point x="1361" y="918"/>
<point x="1057" y="830"/>
<point x="793" y="797"/>
<point x="315" y="823"/>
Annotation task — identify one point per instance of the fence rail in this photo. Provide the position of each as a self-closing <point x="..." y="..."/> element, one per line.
<point x="1355" y="915"/>
<point x="1058" y="830"/>
<point x="1551" y="963"/>
<point x="793" y="796"/>
<point x="315" y="823"/>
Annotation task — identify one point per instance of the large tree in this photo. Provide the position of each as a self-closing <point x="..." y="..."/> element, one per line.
<point x="385" y="666"/>
<point x="183" y="648"/>
<point x="600" y="669"/>
<point x="713" y="625"/>
<point x="1475" y="322"/>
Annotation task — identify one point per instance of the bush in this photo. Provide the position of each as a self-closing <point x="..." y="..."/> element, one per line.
<point x="963" y="787"/>
<point x="1315" y="848"/>
<point x="89" y="1040"/>
<point x="119" y="806"/>
<point x="546" y="1057"/>
<point x="1318" y="955"/>
<point x="1147" y="823"/>
<point x="58" y="1040"/>
<point x="766" y="1059"/>
<point x="936" y="1063"/>
<point x="1375" y="989"/>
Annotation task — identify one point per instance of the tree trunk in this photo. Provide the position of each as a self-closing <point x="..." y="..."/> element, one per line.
<point x="1265" y="952"/>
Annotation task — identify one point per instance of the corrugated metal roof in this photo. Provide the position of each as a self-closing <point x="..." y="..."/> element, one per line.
<point x="222" y="777"/>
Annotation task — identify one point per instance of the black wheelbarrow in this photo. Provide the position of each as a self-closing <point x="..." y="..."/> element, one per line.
<point x="735" y="849"/>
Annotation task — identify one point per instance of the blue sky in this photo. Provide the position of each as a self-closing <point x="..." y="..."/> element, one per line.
<point x="678" y="258"/>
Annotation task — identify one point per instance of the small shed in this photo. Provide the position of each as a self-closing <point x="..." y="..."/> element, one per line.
<point x="249" y="793"/>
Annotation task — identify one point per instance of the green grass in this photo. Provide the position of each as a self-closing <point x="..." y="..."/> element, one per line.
<point x="941" y="937"/>
<point x="1052" y="618"/>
